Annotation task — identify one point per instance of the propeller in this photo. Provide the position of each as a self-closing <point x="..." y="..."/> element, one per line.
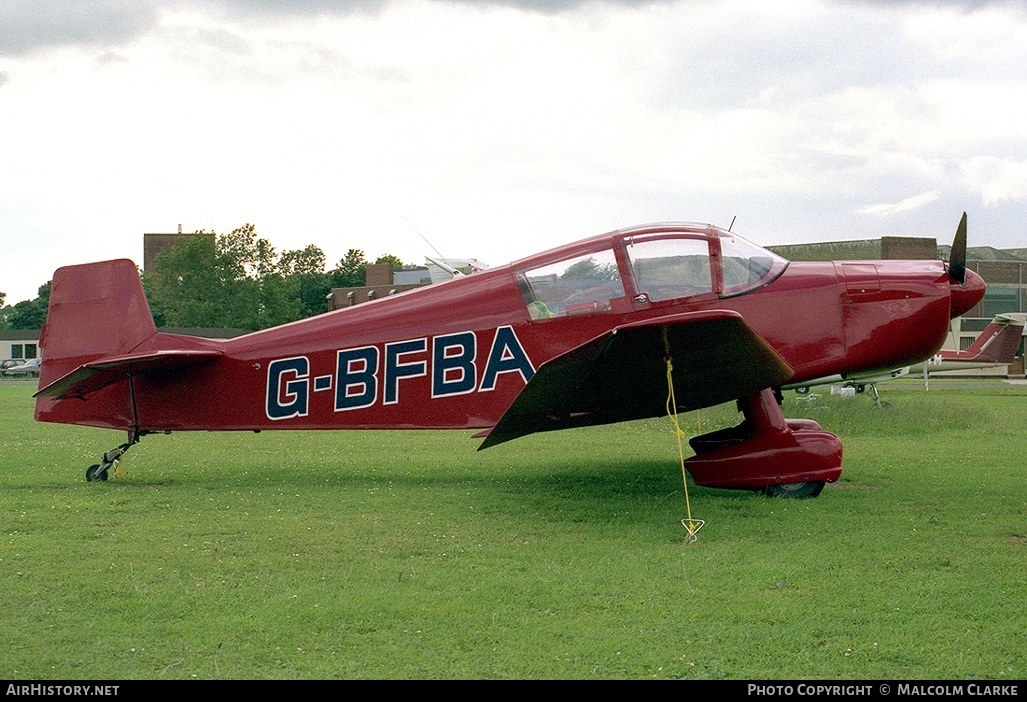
<point x="957" y="258"/>
<point x="966" y="288"/>
<point x="957" y="272"/>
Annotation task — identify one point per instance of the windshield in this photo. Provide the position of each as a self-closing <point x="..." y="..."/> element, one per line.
<point x="747" y="266"/>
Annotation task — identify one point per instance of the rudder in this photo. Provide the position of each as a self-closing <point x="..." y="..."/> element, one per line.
<point x="96" y="310"/>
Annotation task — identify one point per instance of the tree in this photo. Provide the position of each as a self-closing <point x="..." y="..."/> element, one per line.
<point x="389" y="258"/>
<point x="235" y="280"/>
<point x="27" y="314"/>
<point x="184" y="287"/>
<point x="350" y="271"/>
<point x="306" y="261"/>
<point x="308" y="284"/>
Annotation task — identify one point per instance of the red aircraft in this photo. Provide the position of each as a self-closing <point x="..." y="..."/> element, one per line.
<point x="580" y="335"/>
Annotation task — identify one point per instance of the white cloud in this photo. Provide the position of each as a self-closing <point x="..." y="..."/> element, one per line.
<point x="908" y="204"/>
<point x="997" y="180"/>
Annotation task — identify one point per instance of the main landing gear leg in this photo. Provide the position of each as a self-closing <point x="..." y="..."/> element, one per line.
<point x="767" y="453"/>
<point x="877" y="398"/>
<point x="98" y="471"/>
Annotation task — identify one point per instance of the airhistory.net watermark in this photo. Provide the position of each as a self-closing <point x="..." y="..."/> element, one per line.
<point x="42" y="690"/>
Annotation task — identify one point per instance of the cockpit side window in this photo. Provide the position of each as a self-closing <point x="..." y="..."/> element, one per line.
<point x="670" y="268"/>
<point x="579" y="285"/>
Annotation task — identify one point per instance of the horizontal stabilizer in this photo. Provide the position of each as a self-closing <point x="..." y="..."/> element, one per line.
<point x="622" y="375"/>
<point x="102" y="372"/>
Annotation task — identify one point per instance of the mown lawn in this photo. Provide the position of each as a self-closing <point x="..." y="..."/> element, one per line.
<point x="411" y="555"/>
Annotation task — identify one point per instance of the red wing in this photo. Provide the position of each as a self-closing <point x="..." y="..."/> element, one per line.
<point x="622" y="374"/>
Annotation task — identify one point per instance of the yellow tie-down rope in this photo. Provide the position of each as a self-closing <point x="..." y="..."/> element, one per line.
<point x="692" y="526"/>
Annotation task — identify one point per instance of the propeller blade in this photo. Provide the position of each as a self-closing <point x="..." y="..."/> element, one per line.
<point x="957" y="258"/>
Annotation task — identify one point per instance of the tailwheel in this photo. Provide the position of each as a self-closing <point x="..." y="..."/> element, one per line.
<point x="95" y="474"/>
<point x="810" y="488"/>
<point x="98" y="471"/>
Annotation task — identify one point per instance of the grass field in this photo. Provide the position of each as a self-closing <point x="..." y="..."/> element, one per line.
<point x="410" y="555"/>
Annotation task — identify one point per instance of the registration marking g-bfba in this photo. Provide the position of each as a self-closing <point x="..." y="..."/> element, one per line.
<point x="368" y="375"/>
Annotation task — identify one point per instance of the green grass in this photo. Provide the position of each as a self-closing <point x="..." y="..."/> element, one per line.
<point x="411" y="555"/>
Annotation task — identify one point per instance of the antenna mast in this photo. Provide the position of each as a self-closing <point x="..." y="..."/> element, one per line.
<point x="441" y="261"/>
<point x="423" y="237"/>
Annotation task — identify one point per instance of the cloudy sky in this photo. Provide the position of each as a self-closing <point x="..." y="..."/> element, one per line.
<point x="498" y="128"/>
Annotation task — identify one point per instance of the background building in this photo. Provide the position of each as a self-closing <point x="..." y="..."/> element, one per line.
<point x="384" y="279"/>
<point x="19" y="344"/>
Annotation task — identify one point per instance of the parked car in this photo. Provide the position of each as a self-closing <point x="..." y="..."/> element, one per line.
<point x="10" y="363"/>
<point x="21" y="368"/>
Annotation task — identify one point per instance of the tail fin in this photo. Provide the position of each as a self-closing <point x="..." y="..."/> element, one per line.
<point x="998" y="342"/>
<point x="96" y="310"/>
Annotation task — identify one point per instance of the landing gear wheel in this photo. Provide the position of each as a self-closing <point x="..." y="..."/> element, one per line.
<point x="94" y="473"/>
<point x="810" y="488"/>
<point x="98" y="471"/>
